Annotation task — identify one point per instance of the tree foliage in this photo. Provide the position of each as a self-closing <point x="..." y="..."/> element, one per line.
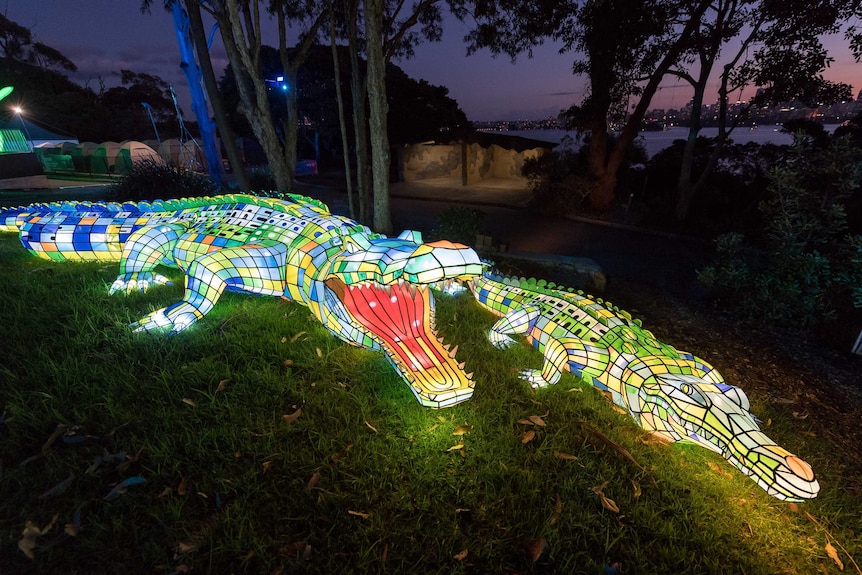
<point x="807" y="264"/>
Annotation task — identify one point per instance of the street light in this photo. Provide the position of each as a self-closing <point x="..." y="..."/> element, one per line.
<point x="20" y="113"/>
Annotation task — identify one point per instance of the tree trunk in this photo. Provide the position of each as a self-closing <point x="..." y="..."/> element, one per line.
<point x="378" y="108"/>
<point x="684" y="184"/>
<point x="254" y="104"/>
<point x="360" y="127"/>
<point x="605" y="180"/>
<point x="227" y="136"/>
<point x="342" y="122"/>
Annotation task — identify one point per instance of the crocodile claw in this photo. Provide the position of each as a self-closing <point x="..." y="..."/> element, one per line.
<point x="137" y="282"/>
<point x="176" y="318"/>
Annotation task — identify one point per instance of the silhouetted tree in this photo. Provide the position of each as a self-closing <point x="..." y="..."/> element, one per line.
<point x="775" y="46"/>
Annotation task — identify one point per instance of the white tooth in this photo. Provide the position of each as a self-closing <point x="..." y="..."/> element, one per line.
<point x="453" y="352"/>
<point x="461" y="365"/>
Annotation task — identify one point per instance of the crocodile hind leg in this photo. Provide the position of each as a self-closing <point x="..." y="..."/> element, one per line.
<point x="255" y="269"/>
<point x="146" y="248"/>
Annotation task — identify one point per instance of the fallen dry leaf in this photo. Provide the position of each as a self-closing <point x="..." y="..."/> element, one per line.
<point x="606" y="501"/>
<point x="336" y="457"/>
<point x="221" y="385"/>
<point x="293" y="416"/>
<point x="536" y="548"/>
<point x="636" y="488"/>
<point x="462" y="429"/>
<point x="166" y="491"/>
<point x="460" y="556"/>
<point x="564" y="455"/>
<point x="537" y="420"/>
<point x="371" y="427"/>
<point x="312" y="483"/>
<point x="190" y="402"/>
<point x="319" y="353"/>
<point x="578" y="389"/>
<point x="297" y="336"/>
<point x="616" y="446"/>
<point x="433" y="427"/>
<point x="456" y="447"/>
<point x="717" y="468"/>
<point x="558" y="510"/>
<point x="31" y="531"/>
<point x="525" y="422"/>
<point x="58" y="431"/>
<point x="833" y="553"/>
<point x="187" y="547"/>
<point x="385" y="554"/>
<point x="528" y="436"/>
<point x="288" y="362"/>
<point x="359" y="513"/>
<point x="181" y="489"/>
<point x="793" y="507"/>
<point x="266" y="465"/>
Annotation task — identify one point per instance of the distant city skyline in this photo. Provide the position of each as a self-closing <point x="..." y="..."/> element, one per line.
<point x="104" y="36"/>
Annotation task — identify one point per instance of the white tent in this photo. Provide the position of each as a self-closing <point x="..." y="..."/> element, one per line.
<point x="104" y="158"/>
<point x="82" y="154"/>
<point x="184" y="154"/>
<point x="132" y="152"/>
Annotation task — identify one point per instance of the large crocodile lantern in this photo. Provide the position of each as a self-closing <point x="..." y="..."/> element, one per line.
<point x="376" y="292"/>
<point x="671" y="393"/>
<point x="367" y="289"/>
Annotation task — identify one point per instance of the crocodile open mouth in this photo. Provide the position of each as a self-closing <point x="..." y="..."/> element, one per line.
<point x="400" y="317"/>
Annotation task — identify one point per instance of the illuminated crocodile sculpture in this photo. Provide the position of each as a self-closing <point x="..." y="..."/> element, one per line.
<point x="367" y="289"/>
<point x="671" y="393"/>
<point x="372" y="291"/>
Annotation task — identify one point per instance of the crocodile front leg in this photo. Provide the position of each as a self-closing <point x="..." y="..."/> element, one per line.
<point x="518" y="321"/>
<point x="146" y="248"/>
<point x="255" y="269"/>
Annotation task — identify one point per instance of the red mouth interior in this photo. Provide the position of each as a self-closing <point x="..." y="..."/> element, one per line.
<point x="398" y="316"/>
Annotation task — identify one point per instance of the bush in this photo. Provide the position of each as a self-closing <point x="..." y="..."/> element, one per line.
<point x="561" y="183"/>
<point x="458" y="224"/>
<point x="808" y="264"/>
<point x="261" y="179"/>
<point x="149" y="180"/>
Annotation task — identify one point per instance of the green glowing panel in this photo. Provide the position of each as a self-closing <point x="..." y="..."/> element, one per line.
<point x="13" y="142"/>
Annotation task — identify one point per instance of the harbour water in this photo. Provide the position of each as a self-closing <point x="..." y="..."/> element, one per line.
<point x="654" y="142"/>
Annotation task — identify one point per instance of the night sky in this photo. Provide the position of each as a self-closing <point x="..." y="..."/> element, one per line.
<point x="103" y="36"/>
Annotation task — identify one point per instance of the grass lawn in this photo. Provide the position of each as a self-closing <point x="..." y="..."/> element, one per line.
<point x="258" y="443"/>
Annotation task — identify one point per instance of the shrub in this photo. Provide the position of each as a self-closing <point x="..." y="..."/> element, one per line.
<point x="807" y="261"/>
<point x="149" y="180"/>
<point x="261" y="179"/>
<point x="458" y="224"/>
<point x="561" y="183"/>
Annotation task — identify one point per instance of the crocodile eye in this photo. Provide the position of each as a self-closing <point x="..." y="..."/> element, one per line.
<point x="686" y="388"/>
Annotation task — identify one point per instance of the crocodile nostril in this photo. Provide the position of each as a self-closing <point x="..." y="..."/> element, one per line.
<point x="799" y="467"/>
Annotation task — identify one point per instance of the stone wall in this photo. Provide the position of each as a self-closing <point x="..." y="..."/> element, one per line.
<point x="425" y="161"/>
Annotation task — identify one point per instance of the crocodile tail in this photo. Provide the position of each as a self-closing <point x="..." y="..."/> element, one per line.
<point x="8" y="217"/>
